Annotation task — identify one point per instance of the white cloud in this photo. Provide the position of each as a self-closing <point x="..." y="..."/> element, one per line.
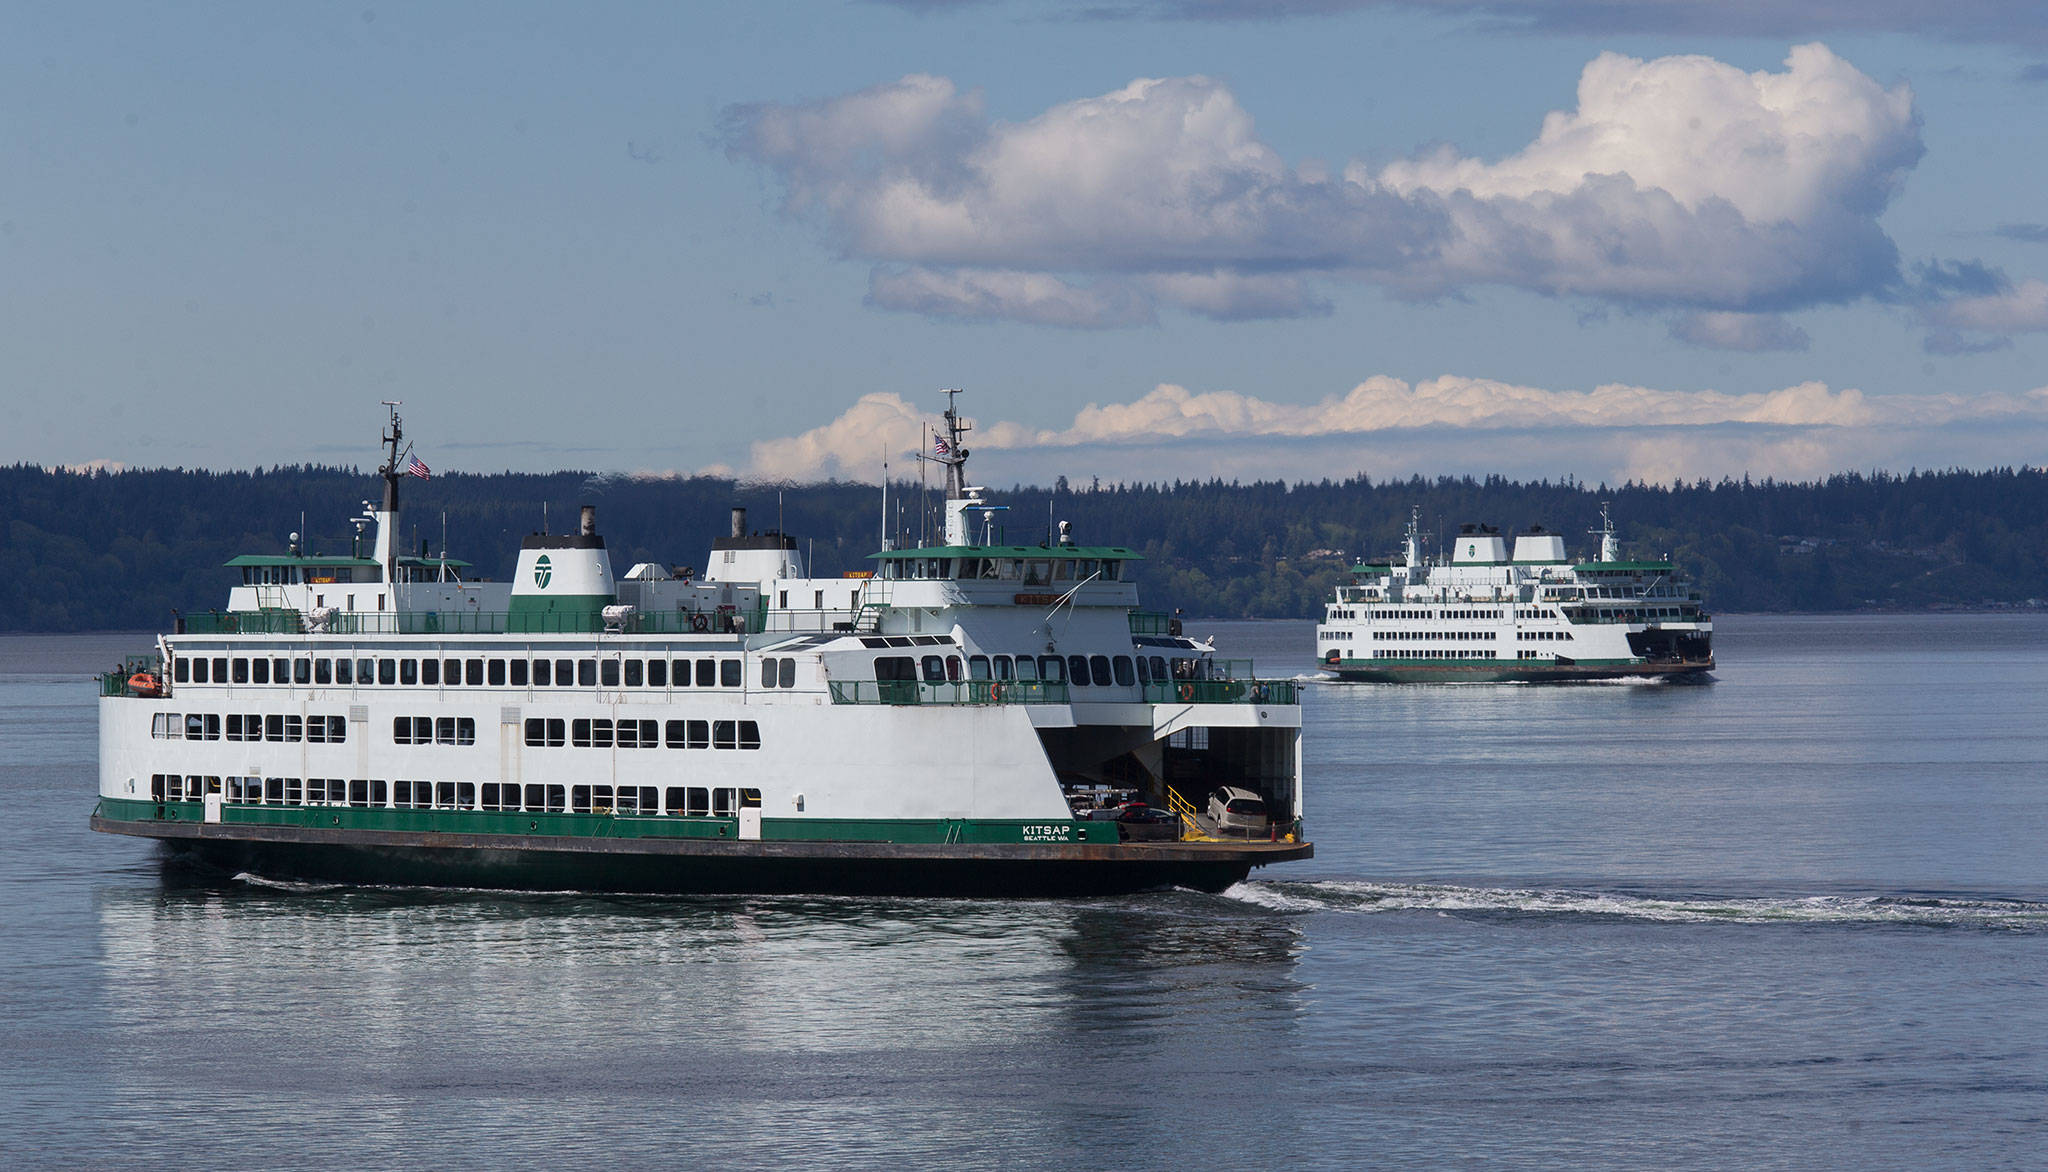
<point x="1678" y="182"/>
<point x="984" y="295"/>
<point x="1228" y="296"/>
<point x="853" y="446"/>
<point x="1447" y="424"/>
<point x="2014" y="309"/>
<point x="1753" y="332"/>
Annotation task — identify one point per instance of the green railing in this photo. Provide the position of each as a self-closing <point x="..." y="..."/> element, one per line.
<point x="1227" y="691"/>
<point x="953" y="692"/>
<point x="258" y="622"/>
<point x="116" y="682"/>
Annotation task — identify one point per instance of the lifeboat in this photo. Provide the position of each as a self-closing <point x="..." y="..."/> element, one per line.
<point x="144" y="683"/>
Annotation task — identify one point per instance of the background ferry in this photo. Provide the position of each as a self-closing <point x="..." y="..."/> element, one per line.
<point x="1533" y="616"/>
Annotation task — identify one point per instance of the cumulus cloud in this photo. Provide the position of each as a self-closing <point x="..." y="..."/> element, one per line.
<point x="1752" y="332"/>
<point x="876" y="427"/>
<point x="1445" y="424"/>
<point x="1679" y="182"/>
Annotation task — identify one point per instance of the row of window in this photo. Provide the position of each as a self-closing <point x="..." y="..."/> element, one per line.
<point x="1024" y="571"/>
<point x="1385" y="612"/>
<point x="1341" y="635"/>
<point x="433" y="730"/>
<point x="601" y="733"/>
<point x="1098" y="671"/>
<point x="1406" y="653"/>
<point x="613" y="672"/>
<point x="676" y="801"/>
<point x="252" y="726"/>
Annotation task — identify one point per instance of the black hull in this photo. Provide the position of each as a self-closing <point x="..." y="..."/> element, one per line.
<point x="707" y="868"/>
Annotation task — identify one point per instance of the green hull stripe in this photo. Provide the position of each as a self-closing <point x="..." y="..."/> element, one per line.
<point x="904" y="830"/>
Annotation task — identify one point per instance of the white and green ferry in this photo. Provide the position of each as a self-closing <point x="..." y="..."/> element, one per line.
<point x="946" y="723"/>
<point x="1534" y="616"/>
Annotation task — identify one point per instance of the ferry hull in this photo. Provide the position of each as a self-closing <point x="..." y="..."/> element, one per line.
<point x="706" y="866"/>
<point x="1524" y="672"/>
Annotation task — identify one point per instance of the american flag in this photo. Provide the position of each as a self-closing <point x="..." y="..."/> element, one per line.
<point x="416" y="467"/>
<point x="939" y="445"/>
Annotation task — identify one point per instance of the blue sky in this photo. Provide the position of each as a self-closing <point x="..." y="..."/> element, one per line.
<point x="1153" y="239"/>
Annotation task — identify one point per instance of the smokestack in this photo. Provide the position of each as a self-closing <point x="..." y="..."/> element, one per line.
<point x="739" y="521"/>
<point x="589" y="521"/>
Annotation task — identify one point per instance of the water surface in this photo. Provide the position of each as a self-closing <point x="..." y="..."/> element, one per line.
<point x="1797" y="917"/>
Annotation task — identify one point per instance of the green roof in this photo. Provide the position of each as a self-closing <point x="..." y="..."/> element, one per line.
<point x="1372" y="568"/>
<point x="1110" y="552"/>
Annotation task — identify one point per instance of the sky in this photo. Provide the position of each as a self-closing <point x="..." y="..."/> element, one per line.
<point x="1150" y="239"/>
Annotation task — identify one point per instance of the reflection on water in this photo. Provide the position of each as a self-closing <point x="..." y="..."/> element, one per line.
<point x="1024" y="1019"/>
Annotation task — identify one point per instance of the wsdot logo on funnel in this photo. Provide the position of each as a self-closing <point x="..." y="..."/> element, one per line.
<point x="543" y="571"/>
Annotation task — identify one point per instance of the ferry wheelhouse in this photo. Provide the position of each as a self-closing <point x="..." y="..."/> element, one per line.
<point x="969" y="718"/>
<point x="1534" y="616"/>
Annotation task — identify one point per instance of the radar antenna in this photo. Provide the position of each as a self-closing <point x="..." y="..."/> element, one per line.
<point x="1610" y="547"/>
<point x="951" y="448"/>
<point x="394" y="435"/>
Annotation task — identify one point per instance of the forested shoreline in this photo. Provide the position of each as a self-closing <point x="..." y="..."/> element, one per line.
<point x="98" y="550"/>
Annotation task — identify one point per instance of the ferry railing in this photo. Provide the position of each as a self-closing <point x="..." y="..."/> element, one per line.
<point x="122" y="681"/>
<point x="260" y="622"/>
<point x="810" y="621"/>
<point x="1190" y="824"/>
<point x="1225" y="691"/>
<point x="915" y="692"/>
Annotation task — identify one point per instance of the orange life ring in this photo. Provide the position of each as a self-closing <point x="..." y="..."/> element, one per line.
<point x="1187" y="692"/>
<point x="145" y="684"/>
<point x="699" y="623"/>
<point x="995" y="692"/>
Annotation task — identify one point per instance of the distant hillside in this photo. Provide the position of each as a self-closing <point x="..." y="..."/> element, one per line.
<point x="99" y="550"/>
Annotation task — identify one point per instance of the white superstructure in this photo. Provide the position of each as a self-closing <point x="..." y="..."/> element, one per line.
<point x="968" y="693"/>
